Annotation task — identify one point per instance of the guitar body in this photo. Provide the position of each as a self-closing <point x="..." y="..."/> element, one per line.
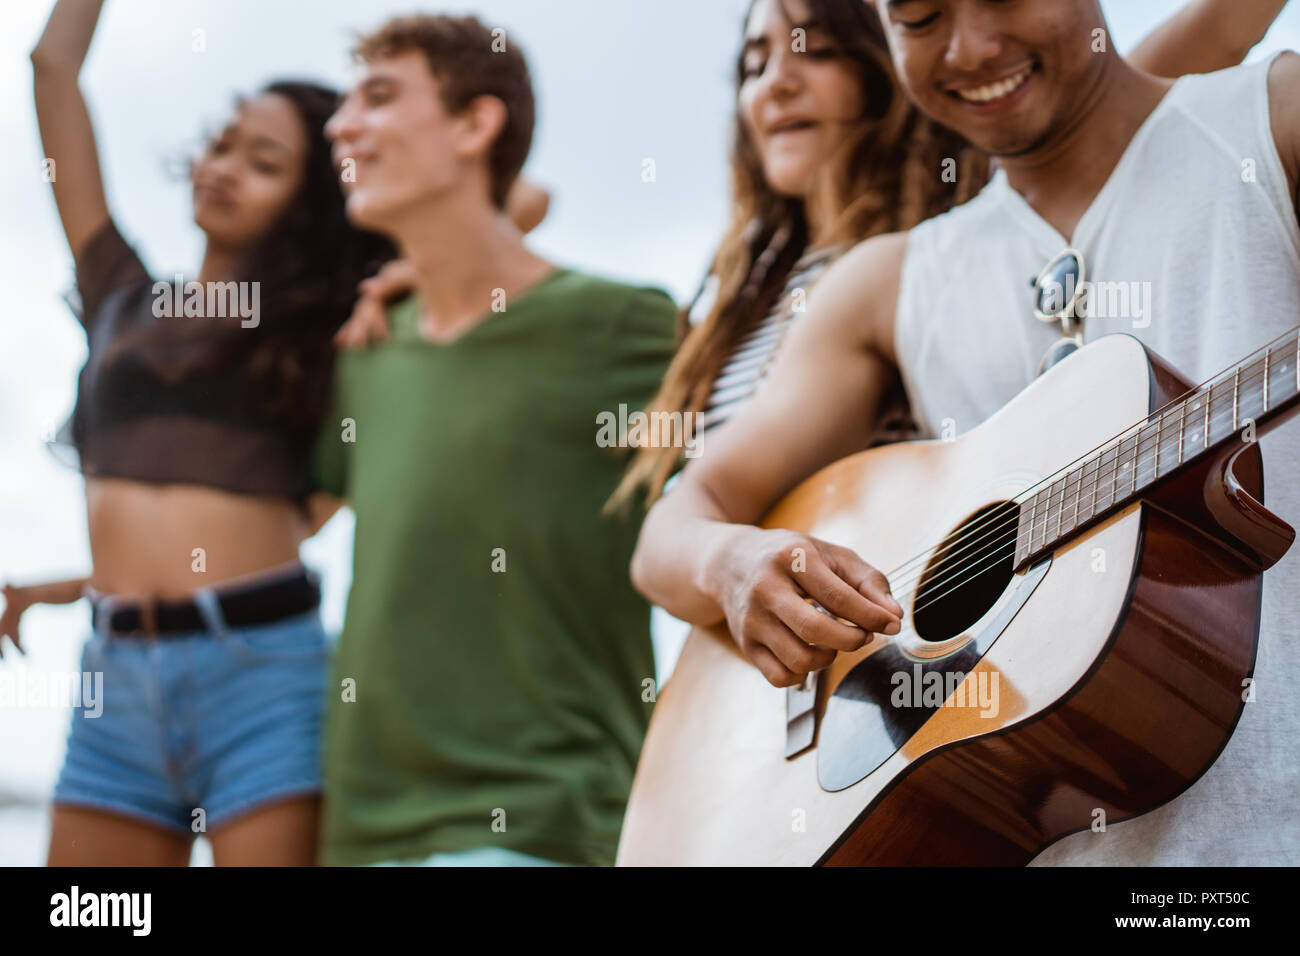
<point x="1103" y="682"/>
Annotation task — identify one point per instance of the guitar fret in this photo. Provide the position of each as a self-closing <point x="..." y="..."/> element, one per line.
<point x="1194" y="432"/>
<point x="1060" y="511"/>
<point x="1124" y="460"/>
<point x="1028" y="534"/>
<point x="1092" y="505"/>
<point x="1020" y="534"/>
<point x="1033" y="525"/>
<point x="1065" y="493"/>
<point x="1155" y="469"/>
<point x="1040" y="522"/>
<point x="1182" y="424"/>
<point x="1047" y="516"/>
<point x="1146" y="462"/>
<point x="1267" y="354"/>
<point x="1094" y="464"/>
<point x="1135" y="464"/>
<point x="1255" y="399"/>
<point x="1074" y="523"/>
<point x="1236" y="386"/>
<point x="1061" y="529"/>
<point x="1110" y="459"/>
<point x="1208" y="395"/>
<point x="1279" y="386"/>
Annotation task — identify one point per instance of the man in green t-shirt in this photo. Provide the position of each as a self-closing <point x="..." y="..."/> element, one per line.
<point x="493" y="679"/>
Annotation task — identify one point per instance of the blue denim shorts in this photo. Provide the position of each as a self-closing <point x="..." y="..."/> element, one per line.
<point x="221" y="720"/>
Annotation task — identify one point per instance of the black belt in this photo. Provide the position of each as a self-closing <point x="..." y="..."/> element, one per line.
<point x="241" y="606"/>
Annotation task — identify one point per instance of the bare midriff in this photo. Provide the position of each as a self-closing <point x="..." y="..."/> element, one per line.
<point x="166" y="541"/>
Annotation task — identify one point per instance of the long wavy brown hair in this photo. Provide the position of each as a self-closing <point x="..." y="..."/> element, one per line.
<point x="887" y="176"/>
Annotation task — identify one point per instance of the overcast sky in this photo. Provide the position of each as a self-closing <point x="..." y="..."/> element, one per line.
<point x="617" y="82"/>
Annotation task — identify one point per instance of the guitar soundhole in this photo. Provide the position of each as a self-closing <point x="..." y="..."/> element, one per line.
<point x="967" y="574"/>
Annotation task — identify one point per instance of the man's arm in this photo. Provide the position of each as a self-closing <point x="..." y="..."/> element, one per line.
<point x="1206" y="35"/>
<point x="699" y="555"/>
<point x="1284" y="114"/>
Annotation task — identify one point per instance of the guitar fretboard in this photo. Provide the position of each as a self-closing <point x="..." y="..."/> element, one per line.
<point x="1227" y="408"/>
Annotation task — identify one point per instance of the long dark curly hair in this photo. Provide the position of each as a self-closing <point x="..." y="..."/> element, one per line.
<point x="307" y="266"/>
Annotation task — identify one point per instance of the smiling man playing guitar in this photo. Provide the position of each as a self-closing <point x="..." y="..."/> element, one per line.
<point x="1127" y="184"/>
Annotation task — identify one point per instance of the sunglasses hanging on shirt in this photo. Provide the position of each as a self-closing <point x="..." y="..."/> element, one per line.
<point x="1060" y="297"/>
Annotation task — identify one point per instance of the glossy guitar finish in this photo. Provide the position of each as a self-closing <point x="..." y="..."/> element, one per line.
<point x="1118" y="681"/>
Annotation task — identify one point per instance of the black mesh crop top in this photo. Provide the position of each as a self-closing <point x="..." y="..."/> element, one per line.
<point x="136" y="418"/>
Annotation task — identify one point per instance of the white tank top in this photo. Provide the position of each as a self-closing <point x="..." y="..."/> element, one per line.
<point x="1197" y="220"/>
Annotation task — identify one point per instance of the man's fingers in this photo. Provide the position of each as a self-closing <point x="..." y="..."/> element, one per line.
<point x="368" y="323"/>
<point x="777" y="674"/>
<point x="817" y="627"/>
<point x="843" y="598"/>
<point x="864" y="578"/>
<point x="379" y="323"/>
<point x="372" y="320"/>
<point x="796" y="655"/>
<point x="395" y="278"/>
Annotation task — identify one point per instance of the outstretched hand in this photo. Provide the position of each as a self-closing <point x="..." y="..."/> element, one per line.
<point x="16" y="604"/>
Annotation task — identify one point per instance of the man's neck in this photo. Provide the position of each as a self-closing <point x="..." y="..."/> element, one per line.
<point x="1061" y="179"/>
<point x="466" y="255"/>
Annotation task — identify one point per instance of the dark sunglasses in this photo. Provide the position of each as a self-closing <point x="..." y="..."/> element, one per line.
<point x="1060" y="297"/>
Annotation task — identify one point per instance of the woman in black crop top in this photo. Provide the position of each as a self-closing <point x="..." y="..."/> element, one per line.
<point x="195" y="417"/>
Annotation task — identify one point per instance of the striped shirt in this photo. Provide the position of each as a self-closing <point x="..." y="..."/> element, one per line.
<point x="754" y="355"/>
<point x="749" y="363"/>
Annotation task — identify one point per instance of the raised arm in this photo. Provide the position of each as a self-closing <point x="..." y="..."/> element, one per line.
<point x="66" y="130"/>
<point x="701" y="557"/>
<point x="1206" y="35"/>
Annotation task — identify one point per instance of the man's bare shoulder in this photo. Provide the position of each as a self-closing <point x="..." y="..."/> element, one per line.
<point x="859" y="291"/>
<point x="1283" y="97"/>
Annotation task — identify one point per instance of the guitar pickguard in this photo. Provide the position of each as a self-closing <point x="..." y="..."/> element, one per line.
<point x="872" y="713"/>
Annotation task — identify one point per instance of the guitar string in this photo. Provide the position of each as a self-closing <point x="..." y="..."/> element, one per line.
<point x="1137" y="463"/>
<point x="1215" y="417"/>
<point x="999" y="550"/>
<point x="996" y="552"/>
<point x="1123" y="435"/>
<point x="972" y="569"/>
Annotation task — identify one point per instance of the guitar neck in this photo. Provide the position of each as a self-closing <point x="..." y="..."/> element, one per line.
<point x="1236" y="405"/>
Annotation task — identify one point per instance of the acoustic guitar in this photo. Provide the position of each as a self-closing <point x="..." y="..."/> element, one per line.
<point x="1081" y="578"/>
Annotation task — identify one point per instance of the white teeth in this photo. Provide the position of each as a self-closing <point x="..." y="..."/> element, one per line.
<point x="995" y="91"/>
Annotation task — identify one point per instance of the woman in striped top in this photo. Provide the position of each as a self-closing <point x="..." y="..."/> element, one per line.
<point x="828" y="151"/>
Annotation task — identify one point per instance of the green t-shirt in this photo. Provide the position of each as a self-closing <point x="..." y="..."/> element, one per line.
<point x="497" y="648"/>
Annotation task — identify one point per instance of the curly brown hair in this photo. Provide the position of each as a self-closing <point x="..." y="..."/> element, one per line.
<point x="885" y="177"/>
